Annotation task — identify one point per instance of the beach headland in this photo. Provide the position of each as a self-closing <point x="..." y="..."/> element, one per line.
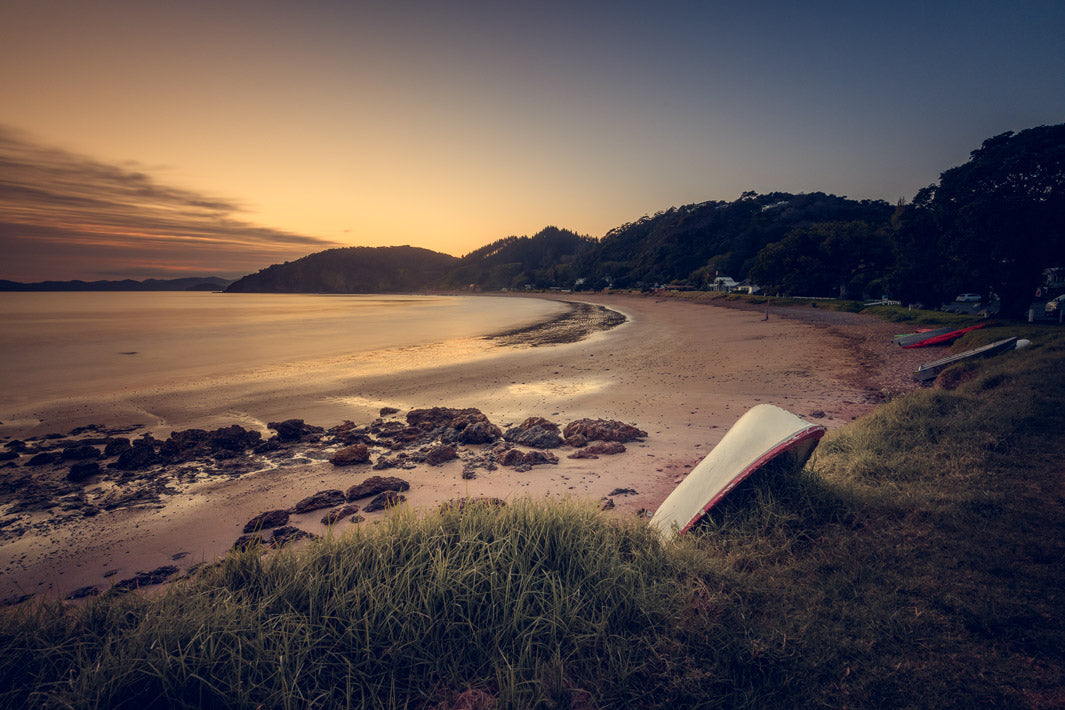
<point x="681" y="372"/>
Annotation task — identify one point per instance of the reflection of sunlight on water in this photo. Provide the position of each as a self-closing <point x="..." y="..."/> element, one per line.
<point x="385" y="361"/>
<point x="556" y="388"/>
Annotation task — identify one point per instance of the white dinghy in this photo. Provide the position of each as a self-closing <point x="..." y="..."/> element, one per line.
<point x="761" y="435"/>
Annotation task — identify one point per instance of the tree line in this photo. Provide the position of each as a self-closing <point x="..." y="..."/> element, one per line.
<point x="991" y="226"/>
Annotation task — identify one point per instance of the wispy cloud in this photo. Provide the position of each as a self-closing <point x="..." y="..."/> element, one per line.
<point x="64" y="216"/>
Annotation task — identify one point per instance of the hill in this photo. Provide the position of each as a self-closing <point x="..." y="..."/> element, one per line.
<point x="351" y="270"/>
<point x="193" y="283"/>
<point x="693" y="243"/>
<point x="549" y="258"/>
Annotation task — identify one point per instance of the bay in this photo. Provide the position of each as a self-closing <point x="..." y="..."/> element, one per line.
<point x="88" y="351"/>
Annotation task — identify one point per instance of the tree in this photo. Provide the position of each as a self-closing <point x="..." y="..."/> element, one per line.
<point x="837" y="259"/>
<point x="993" y="224"/>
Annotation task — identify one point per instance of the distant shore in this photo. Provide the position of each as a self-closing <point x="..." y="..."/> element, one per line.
<point x="681" y="372"/>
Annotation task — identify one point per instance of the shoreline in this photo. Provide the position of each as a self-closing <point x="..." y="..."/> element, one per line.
<point x="681" y="372"/>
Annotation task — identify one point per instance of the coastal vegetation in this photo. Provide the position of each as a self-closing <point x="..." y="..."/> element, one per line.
<point x="917" y="561"/>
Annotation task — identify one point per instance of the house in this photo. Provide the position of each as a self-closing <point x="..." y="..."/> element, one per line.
<point x="724" y="283"/>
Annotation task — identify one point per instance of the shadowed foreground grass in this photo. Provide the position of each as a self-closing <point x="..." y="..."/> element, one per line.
<point x="918" y="561"/>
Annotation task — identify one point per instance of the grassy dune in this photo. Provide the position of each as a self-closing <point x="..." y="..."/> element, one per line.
<point x="918" y="561"/>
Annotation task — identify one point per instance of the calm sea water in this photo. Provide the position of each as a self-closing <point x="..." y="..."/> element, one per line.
<point x="58" y="346"/>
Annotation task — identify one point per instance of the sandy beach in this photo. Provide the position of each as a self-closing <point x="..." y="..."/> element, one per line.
<point x="680" y="371"/>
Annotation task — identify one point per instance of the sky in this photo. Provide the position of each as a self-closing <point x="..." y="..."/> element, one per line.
<point x="161" y="139"/>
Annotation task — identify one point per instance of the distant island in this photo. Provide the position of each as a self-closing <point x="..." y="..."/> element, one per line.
<point x="193" y="283"/>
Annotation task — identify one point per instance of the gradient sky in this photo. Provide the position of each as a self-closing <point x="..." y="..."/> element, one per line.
<point x="151" y="138"/>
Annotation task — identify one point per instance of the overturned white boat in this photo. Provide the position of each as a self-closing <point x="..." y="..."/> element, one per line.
<point x="759" y="436"/>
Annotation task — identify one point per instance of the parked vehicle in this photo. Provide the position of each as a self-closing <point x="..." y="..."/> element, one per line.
<point x="968" y="298"/>
<point x="1054" y="304"/>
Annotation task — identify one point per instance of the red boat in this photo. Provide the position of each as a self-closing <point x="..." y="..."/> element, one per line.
<point x="940" y="336"/>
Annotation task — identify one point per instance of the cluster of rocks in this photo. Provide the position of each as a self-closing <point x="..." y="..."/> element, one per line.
<point x="57" y="472"/>
<point x="386" y="492"/>
<point x="94" y="469"/>
<point x="434" y="436"/>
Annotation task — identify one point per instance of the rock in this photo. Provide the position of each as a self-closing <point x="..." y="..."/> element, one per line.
<point x="596" y="450"/>
<point x="82" y="592"/>
<point x="478" y="432"/>
<point x="116" y="446"/>
<point x="269" y="519"/>
<point x="44" y="458"/>
<point x="351" y="455"/>
<point x="388" y="499"/>
<point x="321" y="499"/>
<point x="80" y="453"/>
<point x="536" y="432"/>
<point x="338" y="514"/>
<point x="140" y="455"/>
<point x="289" y="534"/>
<point x="15" y="445"/>
<point x="234" y="438"/>
<point x="388" y="411"/>
<point x="293" y="430"/>
<point x="468" y="426"/>
<point x="376" y="484"/>
<point x="606" y="504"/>
<point x="8" y="455"/>
<point x="184" y="445"/>
<point x="440" y="454"/>
<point x="245" y="542"/>
<point x="517" y="458"/>
<point x="602" y="430"/>
<point x="82" y="471"/>
<point x="623" y="492"/>
<point x="144" y="579"/>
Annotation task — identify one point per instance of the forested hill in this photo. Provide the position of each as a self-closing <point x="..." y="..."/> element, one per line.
<point x="352" y="270"/>
<point x="550" y="258"/>
<point x="694" y="243"/>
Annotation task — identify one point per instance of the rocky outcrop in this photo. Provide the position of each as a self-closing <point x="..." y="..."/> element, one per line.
<point x="264" y="521"/>
<point x="145" y="579"/>
<point x="82" y="471"/>
<point x="197" y="443"/>
<point x="375" y="485"/>
<point x="440" y="454"/>
<point x="580" y="432"/>
<point x="80" y="452"/>
<point x="383" y="501"/>
<point x="295" y="430"/>
<point x="140" y="455"/>
<point x="523" y="460"/>
<point x="466" y="426"/>
<point x="321" y="499"/>
<point x="351" y="455"/>
<point x="536" y="432"/>
<point x="607" y="448"/>
<point x="337" y="514"/>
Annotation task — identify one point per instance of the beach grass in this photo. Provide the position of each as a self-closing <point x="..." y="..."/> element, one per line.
<point x="917" y="561"/>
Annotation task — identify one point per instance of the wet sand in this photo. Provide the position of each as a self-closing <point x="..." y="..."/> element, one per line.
<point x="682" y="372"/>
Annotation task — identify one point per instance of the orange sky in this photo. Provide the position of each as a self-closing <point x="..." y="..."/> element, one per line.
<point x="450" y="125"/>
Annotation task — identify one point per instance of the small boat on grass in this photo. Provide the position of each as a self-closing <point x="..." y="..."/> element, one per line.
<point x="939" y="336"/>
<point x="758" y="437"/>
<point x="929" y="370"/>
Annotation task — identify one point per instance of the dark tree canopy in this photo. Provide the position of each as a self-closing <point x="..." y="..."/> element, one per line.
<point x="991" y="225"/>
